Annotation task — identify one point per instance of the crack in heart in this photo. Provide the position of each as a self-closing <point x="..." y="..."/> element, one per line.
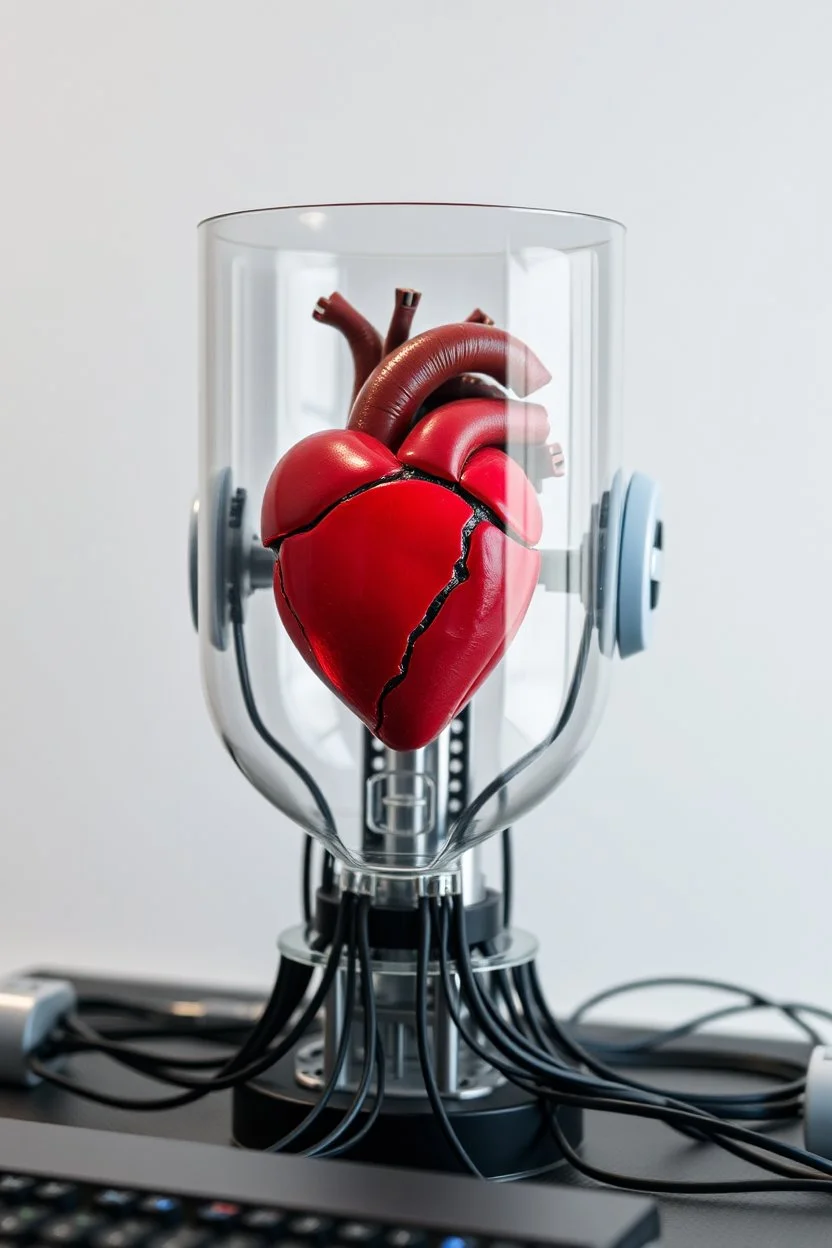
<point x="361" y="489"/>
<point x="459" y="575"/>
<point x="287" y="600"/>
<point x="408" y="474"/>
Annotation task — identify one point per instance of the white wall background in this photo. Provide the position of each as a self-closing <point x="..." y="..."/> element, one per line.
<point x="695" y="836"/>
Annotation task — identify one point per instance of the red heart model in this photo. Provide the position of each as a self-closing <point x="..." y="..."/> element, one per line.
<point x="404" y="556"/>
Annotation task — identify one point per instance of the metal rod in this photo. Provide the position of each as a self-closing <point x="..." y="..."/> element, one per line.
<point x="334" y="1014"/>
<point x="446" y="1041"/>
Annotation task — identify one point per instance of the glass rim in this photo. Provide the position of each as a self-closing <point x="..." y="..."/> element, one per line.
<point x="527" y="209"/>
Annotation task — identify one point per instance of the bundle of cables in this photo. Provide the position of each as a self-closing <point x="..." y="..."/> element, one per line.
<point x="507" y="1023"/>
<point x="503" y="1018"/>
<point x="286" y="1018"/>
<point x="523" y="1040"/>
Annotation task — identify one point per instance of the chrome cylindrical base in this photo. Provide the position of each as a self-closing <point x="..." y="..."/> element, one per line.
<point x="460" y="1073"/>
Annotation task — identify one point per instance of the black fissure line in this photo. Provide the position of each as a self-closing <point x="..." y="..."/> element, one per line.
<point x="476" y="504"/>
<point x="459" y="574"/>
<point x="480" y="508"/>
<point x="287" y="600"/>
<point x="361" y="489"/>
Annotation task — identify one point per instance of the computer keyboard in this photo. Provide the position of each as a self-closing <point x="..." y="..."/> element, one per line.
<point x="68" y="1187"/>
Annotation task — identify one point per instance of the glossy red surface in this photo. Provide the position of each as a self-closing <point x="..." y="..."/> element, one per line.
<point x="315" y="474"/>
<point x="468" y="638"/>
<point x="443" y="441"/>
<point x="361" y="581"/>
<point x="400" y="592"/>
<point x="394" y="392"/>
<point x="499" y="482"/>
<point x="363" y="339"/>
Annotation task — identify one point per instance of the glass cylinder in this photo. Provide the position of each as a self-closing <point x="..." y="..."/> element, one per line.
<point x="409" y="455"/>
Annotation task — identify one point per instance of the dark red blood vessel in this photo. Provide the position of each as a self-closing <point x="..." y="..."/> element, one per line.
<point x="404" y="544"/>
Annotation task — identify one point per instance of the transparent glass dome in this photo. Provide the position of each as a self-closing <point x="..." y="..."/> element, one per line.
<point x="409" y="457"/>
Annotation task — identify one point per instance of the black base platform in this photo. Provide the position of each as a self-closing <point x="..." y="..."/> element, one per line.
<point x="504" y="1133"/>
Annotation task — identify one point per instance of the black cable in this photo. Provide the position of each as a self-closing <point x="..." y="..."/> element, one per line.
<point x="506" y="993"/>
<point x="771" y="1067"/>
<point x="75" y="1036"/>
<point x="754" y="1001"/>
<point x="331" y="1086"/>
<point x="567" y="1086"/>
<point x="218" y="1034"/>
<point x="646" y="1052"/>
<point x="545" y="1065"/>
<point x="158" y="1066"/>
<point x="289" y="989"/>
<point x="784" y="1103"/>
<point x="636" y="1051"/>
<point x="714" y="1130"/>
<point x="512" y="1073"/>
<point x="306" y="779"/>
<point x="524" y="1082"/>
<point x="364" y="960"/>
<point x="373" y="1116"/>
<point x="515" y="1046"/>
<point x="544" y="1041"/>
<point x="510" y="773"/>
<point x="75" y="1033"/>
<point x="423" y="1042"/>
<point x="736" y="1105"/>
<point x="88" y="1003"/>
<point x="732" y="1187"/>
<point x="508" y="875"/>
<point x="239" y="1068"/>
<point x="371" y="1040"/>
<point x="306" y="883"/>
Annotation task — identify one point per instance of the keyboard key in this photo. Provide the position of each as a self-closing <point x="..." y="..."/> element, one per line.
<point x="165" y="1209"/>
<point x="116" y="1200"/>
<point x="15" y="1188"/>
<point x="219" y="1213"/>
<point x="308" y="1226"/>
<point x="238" y="1240"/>
<point x="358" y="1233"/>
<point x="128" y="1234"/>
<point x="21" y="1223"/>
<point x="58" y="1195"/>
<point x="185" y="1237"/>
<point x="456" y="1241"/>
<point x="405" y="1237"/>
<point x="76" y="1228"/>
<point x="264" y="1221"/>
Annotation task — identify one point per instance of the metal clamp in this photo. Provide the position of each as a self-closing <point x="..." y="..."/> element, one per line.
<point x="370" y="884"/>
<point x="240" y="564"/>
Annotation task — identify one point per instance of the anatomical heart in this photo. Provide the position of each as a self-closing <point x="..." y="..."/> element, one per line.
<point x="405" y="543"/>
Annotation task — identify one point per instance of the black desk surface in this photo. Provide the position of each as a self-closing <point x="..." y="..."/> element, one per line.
<point x="626" y="1144"/>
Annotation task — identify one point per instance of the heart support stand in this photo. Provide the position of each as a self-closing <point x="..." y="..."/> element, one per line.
<point x="411" y="971"/>
<point x="431" y="496"/>
<point x="408" y="1008"/>
<point x="416" y="1007"/>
